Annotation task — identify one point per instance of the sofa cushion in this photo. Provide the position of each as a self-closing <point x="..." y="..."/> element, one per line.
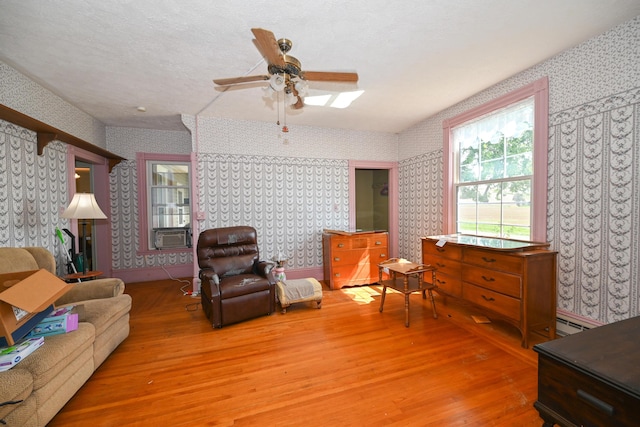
<point x="56" y="393"/>
<point x="15" y="384"/>
<point x="102" y="313"/>
<point x="57" y="352"/>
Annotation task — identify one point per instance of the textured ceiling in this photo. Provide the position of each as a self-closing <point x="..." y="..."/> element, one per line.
<point x="414" y="58"/>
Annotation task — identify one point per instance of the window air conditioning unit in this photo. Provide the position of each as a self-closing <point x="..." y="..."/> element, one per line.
<point x="166" y="238"/>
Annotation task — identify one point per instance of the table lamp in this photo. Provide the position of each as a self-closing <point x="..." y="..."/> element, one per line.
<point x="84" y="206"/>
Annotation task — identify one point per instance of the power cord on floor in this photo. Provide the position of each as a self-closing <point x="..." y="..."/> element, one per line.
<point x="183" y="289"/>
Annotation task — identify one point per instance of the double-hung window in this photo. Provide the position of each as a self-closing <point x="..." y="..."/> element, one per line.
<point x="496" y="167"/>
<point x="166" y="207"/>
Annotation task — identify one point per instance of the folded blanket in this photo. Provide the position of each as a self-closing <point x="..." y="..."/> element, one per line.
<point x="298" y="289"/>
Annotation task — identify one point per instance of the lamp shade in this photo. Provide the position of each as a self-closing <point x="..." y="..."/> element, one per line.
<point x="84" y="206"/>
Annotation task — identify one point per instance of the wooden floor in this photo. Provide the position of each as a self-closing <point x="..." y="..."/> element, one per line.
<point x="346" y="364"/>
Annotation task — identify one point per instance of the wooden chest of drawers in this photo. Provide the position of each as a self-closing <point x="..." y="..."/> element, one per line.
<point x="513" y="280"/>
<point x="591" y="378"/>
<point x="351" y="260"/>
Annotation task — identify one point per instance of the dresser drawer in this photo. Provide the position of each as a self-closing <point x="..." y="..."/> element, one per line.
<point x="447" y="251"/>
<point x="347" y="257"/>
<point x="446" y="266"/>
<point x="377" y="255"/>
<point x="582" y="398"/>
<point x="450" y="285"/>
<point x="499" y="303"/>
<point x="337" y="243"/>
<point x="505" y="283"/>
<point x="493" y="260"/>
<point x="377" y="241"/>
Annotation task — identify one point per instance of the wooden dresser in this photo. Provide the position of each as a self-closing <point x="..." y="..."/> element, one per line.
<point x="509" y="279"/>
<point x="591" y="378"/>
<point x="352" y="259"/>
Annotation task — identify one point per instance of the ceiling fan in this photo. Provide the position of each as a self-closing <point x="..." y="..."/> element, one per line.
<point x="285" y="71"/>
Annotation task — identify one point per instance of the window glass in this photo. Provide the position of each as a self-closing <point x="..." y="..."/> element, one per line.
<point x="494" y="172"/>
<point x="169" y="207"/>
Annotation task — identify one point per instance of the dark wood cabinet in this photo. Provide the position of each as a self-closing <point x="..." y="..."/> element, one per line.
<point x="510" y="279"/>
<point x="591" y="378"/>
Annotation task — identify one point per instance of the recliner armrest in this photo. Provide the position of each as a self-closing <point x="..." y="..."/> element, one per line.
<point x="264" y="269"/>
<point x="209" y="274"/>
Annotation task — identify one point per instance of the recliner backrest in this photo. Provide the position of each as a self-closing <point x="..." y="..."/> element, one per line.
<point x="228" y="251"/>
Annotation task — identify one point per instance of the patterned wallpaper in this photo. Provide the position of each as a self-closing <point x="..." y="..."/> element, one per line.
<point x="127" y="141"/>
<point x="288" y="200"/>
<point x="420" y="183"/>
<point x="23" y="94"/>
<point x="215" y="135"/>
<point x="594" y="208"/>
<point x="32" y="190"/>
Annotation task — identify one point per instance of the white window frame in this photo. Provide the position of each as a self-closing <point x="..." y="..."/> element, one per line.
<point x="539" y="90"/>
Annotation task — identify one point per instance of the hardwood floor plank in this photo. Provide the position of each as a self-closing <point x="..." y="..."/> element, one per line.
<point x="345" y="364"/>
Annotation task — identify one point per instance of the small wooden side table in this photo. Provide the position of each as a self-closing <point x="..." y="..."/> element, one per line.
<point x="407" y="277"/>
<point x="89" y="275"/>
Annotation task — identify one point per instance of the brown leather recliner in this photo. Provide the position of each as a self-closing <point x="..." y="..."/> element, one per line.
<point x="236" y="285"/>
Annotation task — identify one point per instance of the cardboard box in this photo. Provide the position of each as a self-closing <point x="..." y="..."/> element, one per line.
<point x="60" y="321"/>
<point x="26" y="298"/>
<point x="11" y="356"/>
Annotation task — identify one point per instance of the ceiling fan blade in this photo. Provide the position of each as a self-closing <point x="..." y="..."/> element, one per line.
<point x="328" y="76"/>
<point x="236" y="80"/>
<point x="269" y="46"/>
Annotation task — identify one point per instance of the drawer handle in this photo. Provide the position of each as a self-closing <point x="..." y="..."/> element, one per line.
<point x="595" y="402"/>
<point x="336" y="259"/>
<point x="378" y="243"/>
<point x="485" y="259"/>
<point x="488" y="298"/>
<point x="341" y="245"/>
<point x="442" y="282"/>
<point x="383" y="255"/>
<point x="488" y="279"/>
<point x="337" y="275"/>
<point x="440" y="249"/>
<point x="439" y="265"/>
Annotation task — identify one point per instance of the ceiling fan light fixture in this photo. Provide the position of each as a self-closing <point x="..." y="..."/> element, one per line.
<point x="291" y="99"/>
<point x="277" y="82"/>
<point x="302" y="87"/>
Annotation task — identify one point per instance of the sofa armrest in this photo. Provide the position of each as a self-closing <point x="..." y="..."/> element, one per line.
<point x="92" y="289"/>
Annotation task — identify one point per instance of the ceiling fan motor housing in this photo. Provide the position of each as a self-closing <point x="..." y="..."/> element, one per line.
<point x="292" y="66"/>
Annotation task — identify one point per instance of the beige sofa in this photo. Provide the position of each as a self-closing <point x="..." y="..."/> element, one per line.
<point x="35" y="390"/>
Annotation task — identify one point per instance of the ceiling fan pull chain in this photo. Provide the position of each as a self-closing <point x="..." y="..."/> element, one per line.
<point x="278" y="107"/>
<point x="284" y="111"/>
